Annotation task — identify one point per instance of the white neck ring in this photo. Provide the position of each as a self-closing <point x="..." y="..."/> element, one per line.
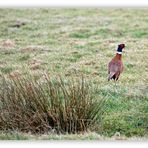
<point x="119" y="52"/>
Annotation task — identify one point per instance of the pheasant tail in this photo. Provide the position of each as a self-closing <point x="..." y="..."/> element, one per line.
<point x="111" y="75"/>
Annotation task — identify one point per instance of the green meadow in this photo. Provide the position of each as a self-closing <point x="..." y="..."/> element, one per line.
<point x="74" y="44"/>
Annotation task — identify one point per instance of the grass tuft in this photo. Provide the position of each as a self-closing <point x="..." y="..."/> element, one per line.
<point x="65" y="106"/>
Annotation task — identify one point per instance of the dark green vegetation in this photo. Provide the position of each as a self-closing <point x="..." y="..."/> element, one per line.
<point x="72" y="42"/>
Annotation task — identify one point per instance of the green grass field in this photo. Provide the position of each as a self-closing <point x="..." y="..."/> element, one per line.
<point x="72" y="42"/>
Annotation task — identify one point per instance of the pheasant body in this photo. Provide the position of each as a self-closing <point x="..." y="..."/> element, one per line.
<point x="115" y="66"/>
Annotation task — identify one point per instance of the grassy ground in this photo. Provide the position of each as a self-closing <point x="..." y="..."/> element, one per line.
<point x="83" y="136"/>
<point x="71" y="42"/>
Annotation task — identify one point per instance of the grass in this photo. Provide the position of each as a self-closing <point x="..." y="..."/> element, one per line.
<point x="66" y="106"/>
<point x="72" y="42"/>
<point x="83" y="136"/>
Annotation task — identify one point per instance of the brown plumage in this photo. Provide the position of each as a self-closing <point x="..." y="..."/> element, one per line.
<point x="115" y="66"/>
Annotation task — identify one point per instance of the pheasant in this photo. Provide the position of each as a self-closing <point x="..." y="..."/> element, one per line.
<point x="115" y="66"/>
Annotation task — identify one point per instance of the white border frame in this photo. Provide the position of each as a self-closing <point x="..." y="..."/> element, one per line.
<point x="73" y="3"/>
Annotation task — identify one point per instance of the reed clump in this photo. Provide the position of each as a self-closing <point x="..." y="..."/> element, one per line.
<point x="59" y="104"/>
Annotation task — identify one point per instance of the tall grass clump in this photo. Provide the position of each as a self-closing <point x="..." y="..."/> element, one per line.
<point x="39" y="106"/>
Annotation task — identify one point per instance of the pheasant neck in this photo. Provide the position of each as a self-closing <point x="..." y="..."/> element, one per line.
<point x="118" y="56"/>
